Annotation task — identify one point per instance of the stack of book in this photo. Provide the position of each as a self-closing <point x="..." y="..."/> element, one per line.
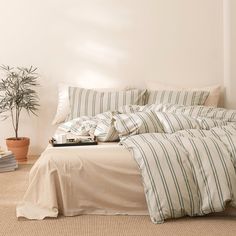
<point x="7" y="161"/>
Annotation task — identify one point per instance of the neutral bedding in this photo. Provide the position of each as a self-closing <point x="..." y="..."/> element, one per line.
<point x="172" y="161"/>
<point x="102" y="179"/>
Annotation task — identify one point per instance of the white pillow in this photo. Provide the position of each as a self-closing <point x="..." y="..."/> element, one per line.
<point x="63" y="107"/>
<point x="212" y="99"/>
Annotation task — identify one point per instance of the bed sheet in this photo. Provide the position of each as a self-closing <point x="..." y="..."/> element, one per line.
<point x="102" y="179"/>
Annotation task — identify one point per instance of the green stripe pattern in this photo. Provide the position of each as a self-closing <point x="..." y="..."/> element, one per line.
<point x="101" y="126"/>
<point x="88" y="102"/>
<point x="173" y="122"/>
<point x="190" y="172"/>
<point x="137" y="123"/>
<point x="222" y="114"/>
<point x="187" y="98"/>
<point x="105" y="130"/>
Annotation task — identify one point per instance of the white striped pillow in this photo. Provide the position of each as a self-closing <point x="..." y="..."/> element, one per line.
<point x="173" y="122"/>
<point x="86" y="125"/>
<point x="85" y="128"/>
<point x="105" y="131"/>
<point x="137" y="123"/>
<point x="78" y="122"/>
<point x="87" y="102"/>
<point x="186" y="98"/>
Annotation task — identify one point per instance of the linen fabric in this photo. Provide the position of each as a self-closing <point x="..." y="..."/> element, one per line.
<point x="208" y="123"/>
<point x="137" y="123"/>
<point x="184" y="175"/>
<point x="105" y="131"/>
<point x="63" y="106"/>
<point x="223" y="114"/>
<point x="187" y="98"/>
<point x="101" y="179"/>
<point x="212" y="100"/>
<point x="188" y="171"/>
<point x="87" y="102"/>
<point x="172" y="122"/>
<point x="101" y="126"/>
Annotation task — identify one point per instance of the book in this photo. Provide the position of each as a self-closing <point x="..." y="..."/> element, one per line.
<point x="7" y="161"/>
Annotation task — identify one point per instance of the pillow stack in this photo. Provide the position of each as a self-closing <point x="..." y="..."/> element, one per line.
<point x="76" y="102"/>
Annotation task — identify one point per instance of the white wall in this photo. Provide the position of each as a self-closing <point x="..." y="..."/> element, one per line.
<point x="109" y="43"/>
<point x="230" y="52"/>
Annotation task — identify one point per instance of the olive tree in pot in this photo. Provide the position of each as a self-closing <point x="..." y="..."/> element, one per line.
<point x="17" y="94"/>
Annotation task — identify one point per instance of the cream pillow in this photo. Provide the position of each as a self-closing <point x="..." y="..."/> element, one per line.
<point x="63" y="106"/>
<point x="212" y="99"/>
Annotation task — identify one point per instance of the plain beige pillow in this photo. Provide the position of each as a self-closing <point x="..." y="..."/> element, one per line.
<point x="212" y="99"/>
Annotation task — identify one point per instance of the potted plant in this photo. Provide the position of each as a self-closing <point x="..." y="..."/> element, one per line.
<point x="17" y="94"/>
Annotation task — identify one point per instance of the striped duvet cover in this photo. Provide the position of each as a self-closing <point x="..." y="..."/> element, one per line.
<point x="190" y="172"/>
<point x="188" y="163"/>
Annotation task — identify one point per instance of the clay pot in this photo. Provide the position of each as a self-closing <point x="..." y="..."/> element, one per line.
<point x="19" y="147"/>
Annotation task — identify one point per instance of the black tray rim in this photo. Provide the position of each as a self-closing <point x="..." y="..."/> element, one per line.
<point x="71" y="144"/>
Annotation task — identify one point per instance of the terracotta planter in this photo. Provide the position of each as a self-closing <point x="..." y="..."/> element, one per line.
<point x="19" y="147"/>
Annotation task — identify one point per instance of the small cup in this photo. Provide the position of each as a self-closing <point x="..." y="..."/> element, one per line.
<point x="63" y="138"/>
<point x="60" y="138"/>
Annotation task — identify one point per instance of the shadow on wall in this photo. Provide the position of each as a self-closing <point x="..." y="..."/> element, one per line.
<point x="103" y="43"/>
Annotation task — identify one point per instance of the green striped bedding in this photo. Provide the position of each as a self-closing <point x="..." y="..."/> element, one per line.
<point x="109" y="126"/>
<point x="176" y="97"/>
<point x="186" y="174"/>
<point x="101" y="126"/>
<point x="105" y="130"/>
<point x="195" y="111"/>
<point x="137" y="123"/>
<point x="186" y="154"/>
<point x="88" y="102"/>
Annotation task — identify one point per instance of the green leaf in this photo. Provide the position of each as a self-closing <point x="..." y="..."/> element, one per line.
<point x="17" y="92"/>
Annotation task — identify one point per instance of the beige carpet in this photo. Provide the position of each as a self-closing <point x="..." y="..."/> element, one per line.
<point x="13" y="185"/>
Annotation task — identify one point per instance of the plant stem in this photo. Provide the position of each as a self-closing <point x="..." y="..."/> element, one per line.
<point x="16" y="126"/>
<point x="17" y="121"/>
<point x="13" y="123"/>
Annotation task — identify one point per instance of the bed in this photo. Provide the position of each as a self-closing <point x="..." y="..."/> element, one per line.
<point x="102" y="179"/>
<point x="172" y="160"/>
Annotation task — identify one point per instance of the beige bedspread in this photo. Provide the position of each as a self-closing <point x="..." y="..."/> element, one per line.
<point x="102" y="179"/>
